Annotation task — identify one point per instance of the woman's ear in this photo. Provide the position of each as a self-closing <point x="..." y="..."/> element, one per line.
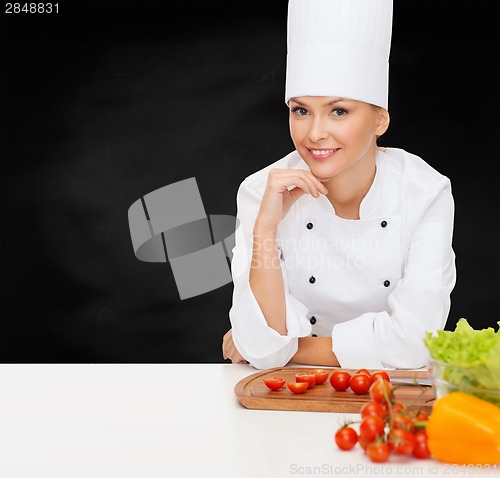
<point x="383" y="121"/>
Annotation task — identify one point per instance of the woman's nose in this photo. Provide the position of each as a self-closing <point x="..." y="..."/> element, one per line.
<point x="318" y="130"/>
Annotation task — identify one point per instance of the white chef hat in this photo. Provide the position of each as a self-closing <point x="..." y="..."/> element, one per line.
<point x="339" y="48"/>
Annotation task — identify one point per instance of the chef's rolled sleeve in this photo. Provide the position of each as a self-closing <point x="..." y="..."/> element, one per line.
<point x="353" y="343"/>
<point x="419" y="303"/>
<point x="261" y="345"/>
<point x="258" y="343"/>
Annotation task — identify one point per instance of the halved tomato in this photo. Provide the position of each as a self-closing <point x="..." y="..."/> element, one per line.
<point x="321" y="375"/>
<point x="300" y="387"/>
<point x="309" y="378"/>
<point x="274" y="383"/>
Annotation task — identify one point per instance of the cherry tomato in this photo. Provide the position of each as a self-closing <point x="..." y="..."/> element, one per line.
<point x="363" y="443"/>
<point x="421" y="416"/>
<point x="321" y="375"/>
<point x="274" y="383"/>
<point x="380" y="374"/>
<point x="360" y="383"/>
<point x="363" y="370"/>
<point x="371" y="427"/>
<point x="339" y="380"/>
<point x="397" y="407"/>
<point x="381" y="391"/>
<point x="420" y="419"/>
<point x="421" y="450"/>
<point x="298" y="387"/>
<point x="373" y="408"/>
<point x="401" y="441"/>
<point x="346" y="438"/>
<point x="394" y="407"/>
<point x="308" y="378"/>
<point x="378" y="451"/>
<point x="401" y="421"/>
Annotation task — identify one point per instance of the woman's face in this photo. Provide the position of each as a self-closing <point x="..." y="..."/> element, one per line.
<point x="334" y="135"/>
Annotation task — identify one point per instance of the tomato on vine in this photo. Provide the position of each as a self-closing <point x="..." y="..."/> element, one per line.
<point x="401" y="421"/>
<point x="380" y="374"/>
<point x="371" y="427"/>
<point x="381" y="391"/>
<point x="373" y="408"/>
<point x="378" y="452"/>
<point x="346" y="437"/>
<point x="401" y="441"/>
<point x="421" y="450"/>
<point x="387" y="426"/>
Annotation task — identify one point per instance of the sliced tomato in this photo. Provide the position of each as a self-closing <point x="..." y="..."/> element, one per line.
<point x="339" y="380"/>
<point x="321" y="375"/>
<point x="274" y="383"/>
<point x="308" y="378"/>
<point x="298" y="387"/>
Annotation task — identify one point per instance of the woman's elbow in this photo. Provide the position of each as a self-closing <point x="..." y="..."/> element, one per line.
<point x="276" y="359"/>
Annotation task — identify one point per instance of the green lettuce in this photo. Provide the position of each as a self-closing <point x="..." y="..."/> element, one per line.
<point x="474" y="354"/>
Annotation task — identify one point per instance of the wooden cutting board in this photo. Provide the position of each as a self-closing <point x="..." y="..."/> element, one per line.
<point x="253" y="393"/>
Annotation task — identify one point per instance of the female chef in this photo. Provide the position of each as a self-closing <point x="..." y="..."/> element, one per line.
<point x="343" y="253"/>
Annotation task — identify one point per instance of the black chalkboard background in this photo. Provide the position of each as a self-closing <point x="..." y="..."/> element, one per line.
<point x="105" y="102"/>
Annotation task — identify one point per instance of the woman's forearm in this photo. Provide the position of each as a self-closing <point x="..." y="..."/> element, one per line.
<point x="266" y="282"/>
<point x="315" y="351"/>
<point x="266" y="279"/>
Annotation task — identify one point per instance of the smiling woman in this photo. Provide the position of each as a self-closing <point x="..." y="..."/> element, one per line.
<point x="140" y="100"/>
<point x="337" y="185"/>
<point x="335" y="139"/>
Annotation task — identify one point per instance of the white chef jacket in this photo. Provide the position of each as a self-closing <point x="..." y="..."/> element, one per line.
<point x="375" y="285"/>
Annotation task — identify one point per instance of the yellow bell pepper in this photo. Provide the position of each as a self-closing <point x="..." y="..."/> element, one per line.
<point x="465" y="430"/>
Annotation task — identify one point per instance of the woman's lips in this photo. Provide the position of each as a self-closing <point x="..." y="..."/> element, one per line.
<point x="322" y="154"/>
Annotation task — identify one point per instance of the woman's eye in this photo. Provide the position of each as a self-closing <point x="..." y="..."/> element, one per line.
<point x="298" y="110"/>
<point x="339" y="112"/>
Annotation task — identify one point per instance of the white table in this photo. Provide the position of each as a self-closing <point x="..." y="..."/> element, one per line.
<point x="167" y="420"/>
